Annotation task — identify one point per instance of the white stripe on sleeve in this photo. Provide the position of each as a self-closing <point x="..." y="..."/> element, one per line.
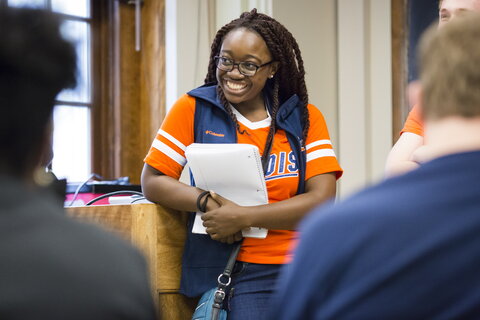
<point x="172" y="154"/>
<point x="171" y="139"/>
<point x="320" y="154"/>
<point x="318" y="143"/>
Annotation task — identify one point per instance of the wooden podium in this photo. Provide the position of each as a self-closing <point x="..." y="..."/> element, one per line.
<point x="160" y="234"/>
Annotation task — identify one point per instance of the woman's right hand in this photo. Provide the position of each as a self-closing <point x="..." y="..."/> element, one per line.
<point x="217" y="219"/>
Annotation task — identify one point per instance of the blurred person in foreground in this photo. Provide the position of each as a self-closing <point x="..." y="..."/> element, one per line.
<point x="410" y="149"/>
<point x="409" y="247"/>
<point x="51" y="267"/>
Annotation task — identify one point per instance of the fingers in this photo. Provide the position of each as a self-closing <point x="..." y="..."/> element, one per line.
<point x="207" y="222"/>
<point x="211" y="231"/>
<point x="212" y="204"/>
<point x="230" y="239"/>
<point x="218" y="198"/>
<point x="226" y="239"/>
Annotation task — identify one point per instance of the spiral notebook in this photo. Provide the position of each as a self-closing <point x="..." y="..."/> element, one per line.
<point x="234" y="171"/>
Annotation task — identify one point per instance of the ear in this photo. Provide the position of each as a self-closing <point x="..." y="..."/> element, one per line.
<point x="274" y="68"/>
<point x="415" y="95"/>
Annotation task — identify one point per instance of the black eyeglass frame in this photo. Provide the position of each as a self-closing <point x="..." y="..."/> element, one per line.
<point x="218" y="59"/>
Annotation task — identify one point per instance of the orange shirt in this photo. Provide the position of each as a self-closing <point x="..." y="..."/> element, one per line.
<point x="167" y="155"/>
<point x="414" y="123"/>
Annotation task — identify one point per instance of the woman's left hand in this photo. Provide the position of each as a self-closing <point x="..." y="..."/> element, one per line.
<point x="231" y="239"/>
<point x="226" y="222"/>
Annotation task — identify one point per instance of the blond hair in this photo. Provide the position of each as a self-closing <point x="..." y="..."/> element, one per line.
<point x="450" y="68"/>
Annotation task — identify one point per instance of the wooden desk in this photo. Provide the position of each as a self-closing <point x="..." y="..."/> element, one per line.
<point x="160" y="234"/>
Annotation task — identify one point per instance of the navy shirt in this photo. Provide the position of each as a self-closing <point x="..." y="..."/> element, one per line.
<point x="407" y="248"/>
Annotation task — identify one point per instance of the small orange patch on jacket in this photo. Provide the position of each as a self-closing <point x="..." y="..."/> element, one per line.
<point x="215" y="134"/>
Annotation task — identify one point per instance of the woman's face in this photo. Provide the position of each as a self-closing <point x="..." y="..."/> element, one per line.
<point x="243" y="45"/>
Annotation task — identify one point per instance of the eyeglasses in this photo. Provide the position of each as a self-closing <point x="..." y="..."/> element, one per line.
<point x="246" y="68"/>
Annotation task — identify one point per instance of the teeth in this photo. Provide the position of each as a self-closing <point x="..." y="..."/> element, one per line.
<point x="235" y="86"/>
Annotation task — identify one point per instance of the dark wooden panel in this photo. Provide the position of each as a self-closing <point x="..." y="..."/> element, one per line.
<point x="153" y="92"/>
<point x="399" y="65"/>
<point x="128" y="98"/>
<point x="103" y="108"/>
<point x="129" y="87"/>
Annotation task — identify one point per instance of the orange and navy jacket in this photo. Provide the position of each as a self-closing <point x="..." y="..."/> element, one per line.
<point x="204" y="259"/>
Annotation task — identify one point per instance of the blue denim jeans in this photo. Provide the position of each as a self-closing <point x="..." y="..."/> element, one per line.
<point x="251" y="290"/>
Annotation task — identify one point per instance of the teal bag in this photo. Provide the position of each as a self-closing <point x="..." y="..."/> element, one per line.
<point x="205" y="309"/>
<point x="209" y="306"/>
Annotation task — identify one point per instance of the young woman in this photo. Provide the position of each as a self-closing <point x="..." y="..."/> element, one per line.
<point x="254" y="93"/>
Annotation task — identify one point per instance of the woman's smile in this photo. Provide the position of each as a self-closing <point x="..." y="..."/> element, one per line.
<point x="235" y="86"/>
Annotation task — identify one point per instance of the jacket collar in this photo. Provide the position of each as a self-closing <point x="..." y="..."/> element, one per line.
<point x="287" y="108"/>
<point x="208" y="92"/>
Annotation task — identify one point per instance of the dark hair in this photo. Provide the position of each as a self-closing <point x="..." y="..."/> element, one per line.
<point x="36" y="63"/>
<point x="288" y="80"/>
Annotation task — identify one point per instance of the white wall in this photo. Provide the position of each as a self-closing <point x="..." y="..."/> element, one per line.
<point x="314" y="27"/>
<point x="187" y="46"/>
<point x="364" y="95"/>
<point x="380" y="140"/>
<point x="227" y="10"/>
<point x="353" y="93"/>
<point x="345" y="45"/>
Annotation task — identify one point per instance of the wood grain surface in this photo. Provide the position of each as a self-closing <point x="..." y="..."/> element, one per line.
<point x="160" y="234"/>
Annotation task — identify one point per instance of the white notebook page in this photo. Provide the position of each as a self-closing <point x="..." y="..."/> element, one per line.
<point x="234" y="171"/>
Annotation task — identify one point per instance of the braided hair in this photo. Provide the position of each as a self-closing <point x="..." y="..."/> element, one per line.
<point x="288" y="80"/>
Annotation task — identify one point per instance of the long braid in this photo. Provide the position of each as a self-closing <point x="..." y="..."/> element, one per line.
<point x="303" y="94"/>
<point x="290" y="76"/>
<point x="215" y="49"/>
<point x="273" y="124"/>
